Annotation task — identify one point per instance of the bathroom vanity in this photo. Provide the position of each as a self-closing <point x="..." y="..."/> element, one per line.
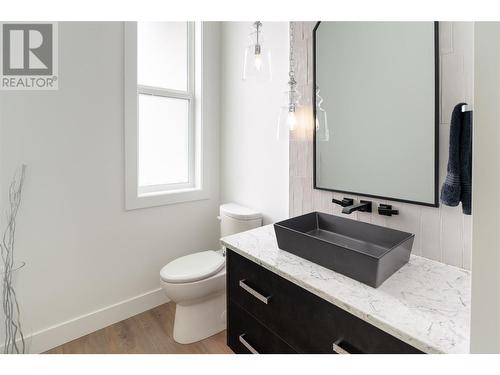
<point x="278" y="302"/>
<point x="374" y="136"/>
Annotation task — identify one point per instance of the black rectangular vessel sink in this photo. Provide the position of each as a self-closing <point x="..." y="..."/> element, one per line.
<point x="365" y="252"/>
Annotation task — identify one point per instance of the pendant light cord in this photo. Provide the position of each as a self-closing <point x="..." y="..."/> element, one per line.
<point x="291" y="70"/>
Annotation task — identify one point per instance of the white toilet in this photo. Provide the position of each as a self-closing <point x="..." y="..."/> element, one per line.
<point x="197" y="282"/>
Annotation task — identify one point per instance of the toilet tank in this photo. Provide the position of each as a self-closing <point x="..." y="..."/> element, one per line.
<point x="235" y="218"/>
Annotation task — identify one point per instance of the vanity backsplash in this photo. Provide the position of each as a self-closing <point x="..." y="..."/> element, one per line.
<point x="442" y="234"/>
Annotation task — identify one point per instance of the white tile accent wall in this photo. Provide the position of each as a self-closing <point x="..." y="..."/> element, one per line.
<point x="442" y="234"/>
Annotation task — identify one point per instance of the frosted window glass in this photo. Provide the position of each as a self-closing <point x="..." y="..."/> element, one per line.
<point x="163" y="140"/>
<point x="162" y="55"/>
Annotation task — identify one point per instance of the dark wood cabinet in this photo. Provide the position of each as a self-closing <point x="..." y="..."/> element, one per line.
<point x="272" y="315"/>
<point x="248" y="335"/>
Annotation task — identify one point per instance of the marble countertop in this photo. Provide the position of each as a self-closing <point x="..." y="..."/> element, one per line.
<point x="425" y="304"/>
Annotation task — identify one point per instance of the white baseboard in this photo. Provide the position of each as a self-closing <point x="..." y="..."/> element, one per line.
<point x="58" y="334"/>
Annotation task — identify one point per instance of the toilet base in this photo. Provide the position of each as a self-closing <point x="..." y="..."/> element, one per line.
<point x="198" y="320"/>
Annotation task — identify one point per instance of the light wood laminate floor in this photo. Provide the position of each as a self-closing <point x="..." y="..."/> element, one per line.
<point x="146" y="333"/>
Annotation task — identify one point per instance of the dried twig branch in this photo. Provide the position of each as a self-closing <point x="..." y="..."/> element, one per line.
<point x="14" y="338"/>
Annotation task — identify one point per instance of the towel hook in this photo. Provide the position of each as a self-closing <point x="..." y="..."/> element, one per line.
<point x="466" y="108"/>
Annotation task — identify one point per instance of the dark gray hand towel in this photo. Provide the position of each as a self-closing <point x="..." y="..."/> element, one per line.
<point x="466" y="163"/>
<point x="450" y="191"/>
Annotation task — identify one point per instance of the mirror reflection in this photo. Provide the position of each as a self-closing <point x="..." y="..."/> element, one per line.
<point x="375" y="109"/>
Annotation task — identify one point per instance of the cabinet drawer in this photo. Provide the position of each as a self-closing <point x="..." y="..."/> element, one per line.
<point x="246" y="335"/>
<point x="306" y="322"/>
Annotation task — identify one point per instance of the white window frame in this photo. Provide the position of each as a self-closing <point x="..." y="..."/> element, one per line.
<point x="196" y="187"/>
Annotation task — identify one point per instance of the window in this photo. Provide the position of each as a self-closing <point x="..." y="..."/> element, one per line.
<point x="165" y="86"/>
<point x="163" y="113"/>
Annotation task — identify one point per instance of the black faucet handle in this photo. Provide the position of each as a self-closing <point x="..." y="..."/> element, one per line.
<point x="344" y="202"/>
<point x="386" y="210"/>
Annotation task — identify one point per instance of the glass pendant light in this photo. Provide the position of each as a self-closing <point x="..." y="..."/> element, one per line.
<point x="322" y="131"/>
<point x="287" y="121"/>
<point x="257" y="62"/>
<point x="288" y="113"/>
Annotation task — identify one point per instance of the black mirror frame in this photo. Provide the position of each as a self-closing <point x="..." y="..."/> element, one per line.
<point x="436" y="128"/>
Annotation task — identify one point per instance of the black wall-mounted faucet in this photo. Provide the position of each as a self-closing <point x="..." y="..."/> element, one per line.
<point x="362" y="206"/>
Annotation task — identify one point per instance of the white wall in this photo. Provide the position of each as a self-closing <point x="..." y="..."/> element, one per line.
<point x="485" y="310"/>
<point x="442" y="234"/>
<point x="254" y="164"/>
<point x="84" y="252"/>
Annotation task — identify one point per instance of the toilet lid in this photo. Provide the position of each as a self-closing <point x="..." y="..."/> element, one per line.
<point x="193" y="267"/>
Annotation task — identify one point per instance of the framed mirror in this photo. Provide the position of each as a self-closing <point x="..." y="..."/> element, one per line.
<point x="376" y="109"/>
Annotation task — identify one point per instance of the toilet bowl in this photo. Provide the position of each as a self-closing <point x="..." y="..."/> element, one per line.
<point x="196" y="283"/>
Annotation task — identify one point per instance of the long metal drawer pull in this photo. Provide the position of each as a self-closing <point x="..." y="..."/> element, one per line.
<point x="247" y="345"/>
<point x="337" y="349"/>
<point x="253" y="292"/>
